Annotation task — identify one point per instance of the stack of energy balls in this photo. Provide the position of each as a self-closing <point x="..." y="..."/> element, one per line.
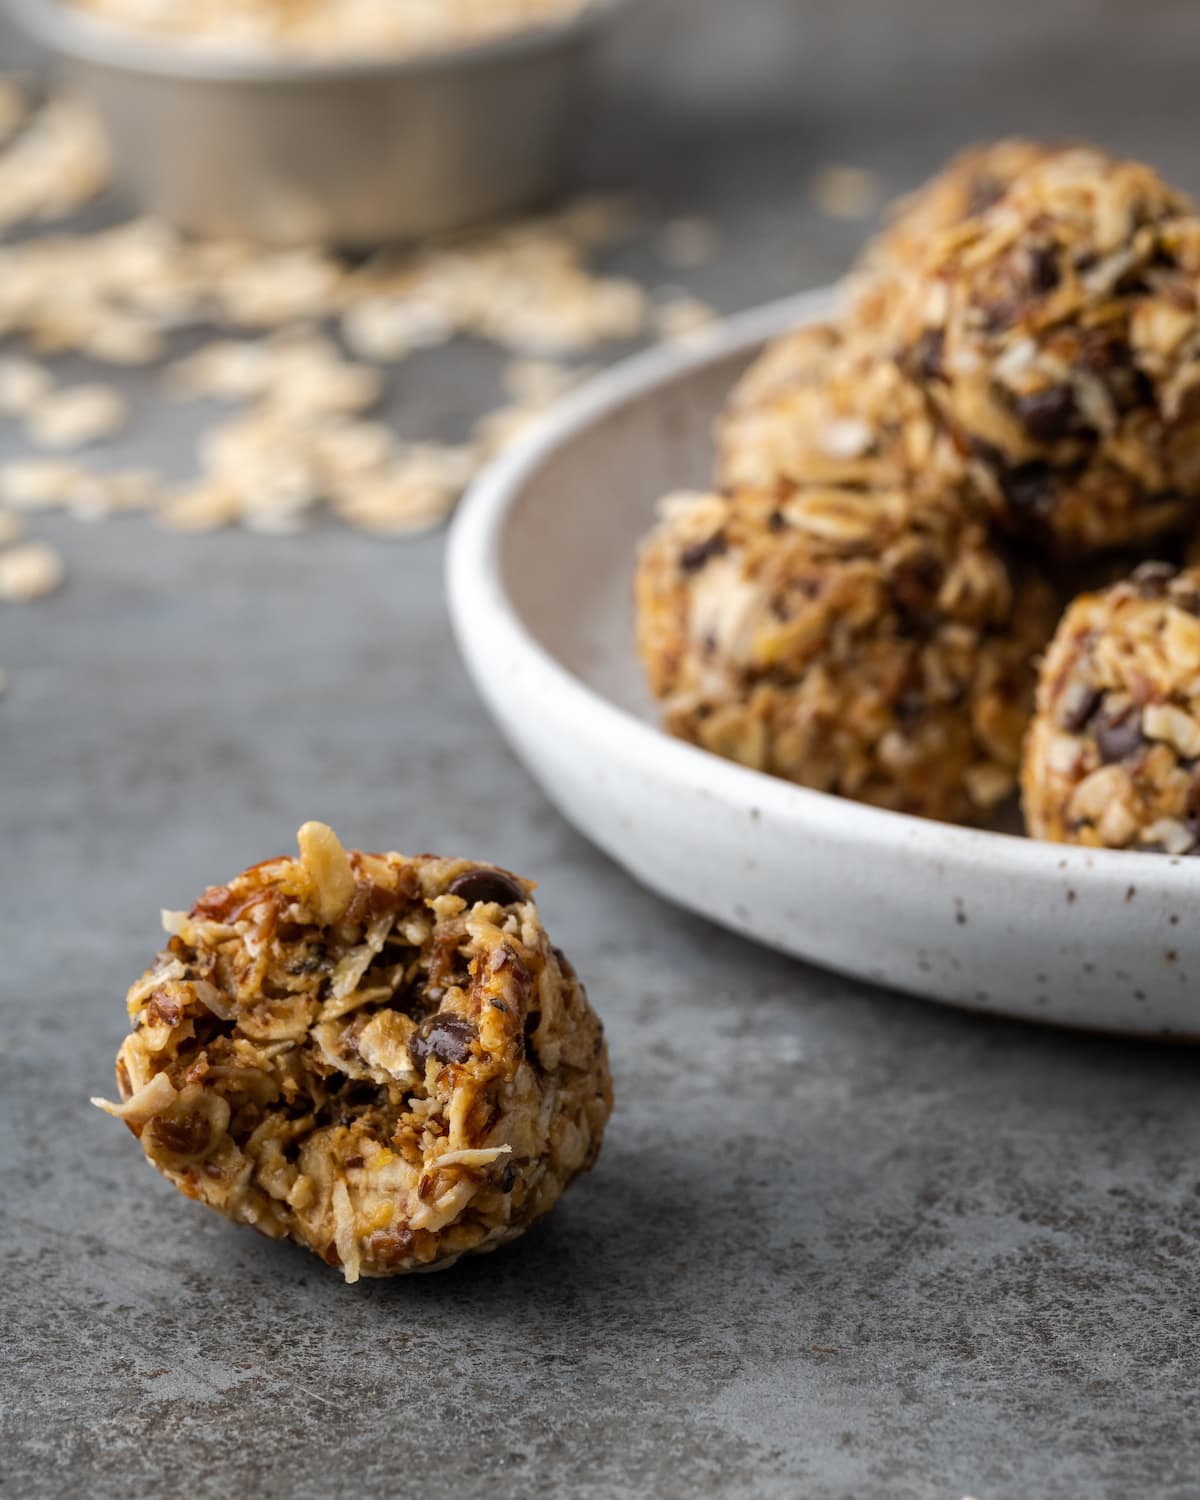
<point x="910" y="499"/>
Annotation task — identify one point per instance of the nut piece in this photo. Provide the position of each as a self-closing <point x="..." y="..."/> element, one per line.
<point x="392" y="1080"/>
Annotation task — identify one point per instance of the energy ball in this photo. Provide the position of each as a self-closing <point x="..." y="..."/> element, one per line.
<point x="1113" y="755"/>
<point x="383" y="1059"/>
<point x="824" y="405"/>
<point x="1057" y="333"/>
<point x="869" y="643"/>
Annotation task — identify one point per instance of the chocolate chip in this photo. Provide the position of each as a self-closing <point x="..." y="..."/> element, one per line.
<point x="1079" y="702"/>
<point x="1185" y="595"/>
<point x="1119" y="737"/>
<point x="1044" y="273"/>
<point x="1030" y="488"/>
<point x="1002" y="313"/>
<point x="1151" y="579"/>
<point x="532" y="1021"/>
<point x="317" y="961"/>
<point x="776" y="522"/>
<point x="482" y="884"/>
<point x="987" y="453"/>
<point x="1048" y="416"/>
<point x="693" y="558"/>
<point x="445" y="1036"/>
<point x="564" y="963"/>
<point x="911" y="707"/>
<point x="509" y="1177"/>
<point x="983" y="192"/>
<point x="925" y="357"/>
<point x="915" y="584"/>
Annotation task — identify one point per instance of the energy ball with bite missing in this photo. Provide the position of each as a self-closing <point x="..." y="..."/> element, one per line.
<point x="1113" y="755"/>
<point x="1057" y="332"/>
<point x="870" y="643"/>
<point x="383" y="1059"/>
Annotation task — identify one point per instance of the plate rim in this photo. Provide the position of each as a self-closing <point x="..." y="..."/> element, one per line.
<point x="481" y="608"/>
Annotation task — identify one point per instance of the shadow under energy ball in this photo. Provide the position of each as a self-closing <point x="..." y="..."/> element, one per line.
<point x="383" y="1059"/>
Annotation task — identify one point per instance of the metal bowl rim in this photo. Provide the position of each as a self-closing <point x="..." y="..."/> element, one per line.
<point x="83" y="38"/>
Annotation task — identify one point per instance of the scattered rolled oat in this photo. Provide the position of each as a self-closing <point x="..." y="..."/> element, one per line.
<point x="299" y="443"/>
<point x="538" y="382"/>
<point x="680" y="318"/>
<point x="688" y="243"/>
<point x="54" y="165"/>
<point x="101" y="495"/>
<point x="204" y="506"/>
<point x="76" y="416"/>
<point x="23" y="383"/>
<point x="227" y="369"/>
<point x="277" y="287"/>
<point x="39" y="483"/>
<point x="497" y="430"/>
<point x="415" y="493"/>
<point x="845" y="192"/>
<point x="526" y="286"/>
<point x="14" y="106"/>
<point x="28" y="571"/>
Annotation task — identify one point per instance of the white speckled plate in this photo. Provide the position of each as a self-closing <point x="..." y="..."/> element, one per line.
<point x="539" y="577"/>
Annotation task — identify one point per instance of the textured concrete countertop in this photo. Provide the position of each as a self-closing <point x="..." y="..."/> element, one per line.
<point x="839" y="1244"/>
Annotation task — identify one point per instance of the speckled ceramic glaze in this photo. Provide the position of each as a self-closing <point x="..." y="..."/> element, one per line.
<point x="539" y="576"/>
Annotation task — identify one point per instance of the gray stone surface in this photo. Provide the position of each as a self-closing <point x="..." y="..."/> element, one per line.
<point x="839" y="1244"/>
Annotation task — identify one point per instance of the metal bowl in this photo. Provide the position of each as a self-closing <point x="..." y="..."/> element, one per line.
<point x="353" y="152"/>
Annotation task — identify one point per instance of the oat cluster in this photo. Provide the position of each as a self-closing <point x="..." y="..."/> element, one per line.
<point x="907" y="498"/>
<point x="381" y="1058"/>
<point x="337" y="28"/>
<point x="306" y="342"/>
<point x="292" y="351"/>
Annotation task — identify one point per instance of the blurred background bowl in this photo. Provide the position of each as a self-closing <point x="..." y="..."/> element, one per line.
<point x="353" y="152"/>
